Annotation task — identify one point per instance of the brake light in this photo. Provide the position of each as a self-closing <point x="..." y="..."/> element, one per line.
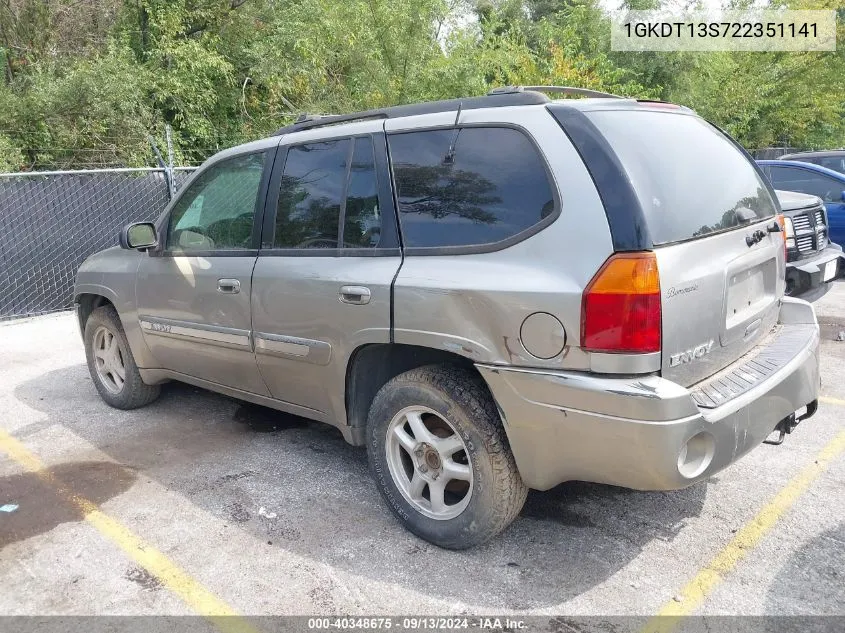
<point x="782" y="222"/>
<point x="620" y="309"/>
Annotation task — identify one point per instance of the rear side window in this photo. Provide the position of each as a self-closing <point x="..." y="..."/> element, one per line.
<point x="805" y="181"/>
<point x="468" y="186"/>
<point x="835" y="163"/>
<point x="691" y="181"/>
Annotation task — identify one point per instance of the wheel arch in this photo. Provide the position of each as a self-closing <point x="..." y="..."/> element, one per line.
<point x="372" y="365"/>
<point x="86" y="303"/>
<point x="89" y="297"/>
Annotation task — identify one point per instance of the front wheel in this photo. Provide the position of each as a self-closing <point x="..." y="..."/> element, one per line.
<point x="440" y="456"/>
<point x="111" y="364"/>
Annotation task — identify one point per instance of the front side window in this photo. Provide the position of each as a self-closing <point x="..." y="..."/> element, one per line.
<point x="217" y="211"/>
<point x="468" y="186"/>
<point x="805" y="181"/>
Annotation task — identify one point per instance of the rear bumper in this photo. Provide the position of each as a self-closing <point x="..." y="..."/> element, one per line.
<point x="646" y="433"/>
<point x="806" y="275"/>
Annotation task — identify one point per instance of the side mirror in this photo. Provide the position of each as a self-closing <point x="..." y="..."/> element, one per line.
<point x="141" y="235"/>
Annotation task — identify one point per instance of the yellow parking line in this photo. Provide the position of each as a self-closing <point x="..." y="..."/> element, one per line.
<point x="697" y="590"/>
<point x="828" y="400"/>
<point x="197" y="597"/>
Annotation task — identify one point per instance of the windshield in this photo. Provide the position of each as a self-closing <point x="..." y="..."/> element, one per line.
<point x="690" y="179"/>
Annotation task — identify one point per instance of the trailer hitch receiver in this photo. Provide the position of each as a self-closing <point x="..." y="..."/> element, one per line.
<point x="786" y="426"/>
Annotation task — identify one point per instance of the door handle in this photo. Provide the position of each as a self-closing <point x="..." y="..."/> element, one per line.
<point x="229" y="286"/>
<point x="356" y="295"/>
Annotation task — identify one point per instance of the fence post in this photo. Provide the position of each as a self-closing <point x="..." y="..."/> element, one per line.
<point x="168" y="173"/>
<point x="170" y="181"/>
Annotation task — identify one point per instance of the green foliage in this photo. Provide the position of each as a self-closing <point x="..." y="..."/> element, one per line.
<point x="86" y="82"/>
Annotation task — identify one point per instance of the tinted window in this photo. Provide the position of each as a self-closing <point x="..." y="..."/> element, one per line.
<point x="216" y="212"/>
<point x="362" y="224"/>
<point x="805" y="181"/>
<point x="836" y="163"/>
<point x="690" y="179"/>
<point x="310" y="196"/>
<point x="492" y="186"/>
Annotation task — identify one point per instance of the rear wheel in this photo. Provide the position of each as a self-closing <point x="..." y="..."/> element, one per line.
<point x="440" y="457"/>
<point x="111" y="364"/>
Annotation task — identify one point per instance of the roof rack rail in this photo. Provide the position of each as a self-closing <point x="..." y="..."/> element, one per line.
<point x="584" y="92"/>
<point x="521" y="97"/>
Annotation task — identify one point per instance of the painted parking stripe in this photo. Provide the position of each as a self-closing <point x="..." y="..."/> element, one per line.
<point x="835" y="401"/>
<point x="749" y="536"/>
<point x="197" y="597"/>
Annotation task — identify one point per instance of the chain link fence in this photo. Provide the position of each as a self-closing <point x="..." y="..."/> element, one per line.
<point x="51" y="221"/>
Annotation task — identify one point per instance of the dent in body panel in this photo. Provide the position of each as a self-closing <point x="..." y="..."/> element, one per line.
<point x="476" y="304"/>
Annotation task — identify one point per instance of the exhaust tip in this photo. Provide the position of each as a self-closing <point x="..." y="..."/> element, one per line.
<point x="696" y="455"/>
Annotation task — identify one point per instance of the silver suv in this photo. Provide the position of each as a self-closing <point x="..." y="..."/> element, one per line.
<point x="492" y="294"/>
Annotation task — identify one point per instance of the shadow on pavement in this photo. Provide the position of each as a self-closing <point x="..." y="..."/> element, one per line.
<point x="232" y="458"/>
<point x="812" y="581"/>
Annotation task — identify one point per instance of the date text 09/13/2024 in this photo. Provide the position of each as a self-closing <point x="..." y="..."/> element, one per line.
<point x="421" y="623"/>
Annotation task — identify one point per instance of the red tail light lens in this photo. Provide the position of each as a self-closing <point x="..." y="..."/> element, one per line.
<point x="620" y="311"/>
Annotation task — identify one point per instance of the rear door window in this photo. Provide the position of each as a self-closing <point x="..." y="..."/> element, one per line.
<point x="362" y="217"/>
<point x="468" y="186"/>
<point x="690" y="179"/>
<point x="311" y="195"/>
<point x="805" y="181"/>
<point x="329" y="197"/>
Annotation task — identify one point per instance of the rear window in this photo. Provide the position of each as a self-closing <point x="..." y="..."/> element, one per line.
<point x="690" y="179"/>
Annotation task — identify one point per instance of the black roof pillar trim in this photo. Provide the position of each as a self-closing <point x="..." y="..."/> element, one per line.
<point x="628" y="228"/>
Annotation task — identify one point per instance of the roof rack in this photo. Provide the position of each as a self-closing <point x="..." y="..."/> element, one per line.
<point x="569" y="90"/>
<point x="497" y="100"/>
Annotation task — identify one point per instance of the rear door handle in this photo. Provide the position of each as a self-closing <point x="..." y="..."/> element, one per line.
<point x="356" y="295"/>
<point x="229" y="286"/>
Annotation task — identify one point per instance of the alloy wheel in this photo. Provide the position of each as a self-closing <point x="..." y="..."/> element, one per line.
<point x="109" y="360"/>
<point x="429" y="463"/>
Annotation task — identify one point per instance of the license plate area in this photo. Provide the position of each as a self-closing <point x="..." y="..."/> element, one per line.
<point x="829" y="270"/>
<point x="749" y="293"/>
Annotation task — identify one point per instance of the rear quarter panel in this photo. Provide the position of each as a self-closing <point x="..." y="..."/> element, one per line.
<point x="475" y="304"/>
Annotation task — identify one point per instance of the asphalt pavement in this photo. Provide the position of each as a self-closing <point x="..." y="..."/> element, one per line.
<point x="203" y="504"/>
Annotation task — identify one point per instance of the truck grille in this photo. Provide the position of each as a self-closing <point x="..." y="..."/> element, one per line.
<point x="810" y="232"/>
<point x="801" y="222"/>
<point x="804" y="243"/>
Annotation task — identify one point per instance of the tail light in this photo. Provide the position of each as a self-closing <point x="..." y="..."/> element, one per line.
<point x="620" y="310"/>
<point x="788" y="233"/>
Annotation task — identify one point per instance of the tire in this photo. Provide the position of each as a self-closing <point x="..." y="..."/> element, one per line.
<point x="474" y="507"/>
<point x="121" y="392"/>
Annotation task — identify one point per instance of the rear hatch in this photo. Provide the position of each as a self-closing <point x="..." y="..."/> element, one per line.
<point x="707" y="210"/>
